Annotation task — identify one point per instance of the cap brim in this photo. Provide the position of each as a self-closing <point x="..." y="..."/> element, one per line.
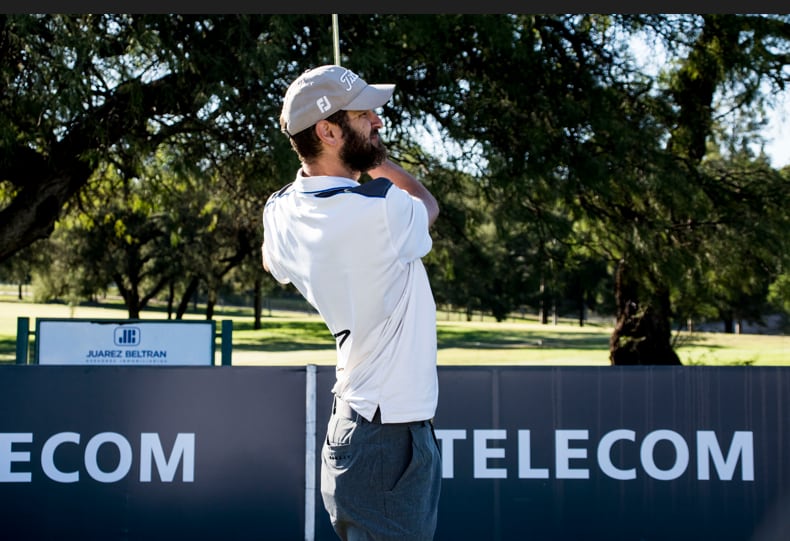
<point x="371" y="97"/>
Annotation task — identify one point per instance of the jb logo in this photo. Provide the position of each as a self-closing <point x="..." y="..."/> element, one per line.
<point x="323" y="104"/>
<point x="349" y="77"/>
<point x="127" y="336"/>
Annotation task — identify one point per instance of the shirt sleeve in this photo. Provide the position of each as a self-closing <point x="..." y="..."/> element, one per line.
<point x="270" y="245"/>
<point x="408" y="223"/>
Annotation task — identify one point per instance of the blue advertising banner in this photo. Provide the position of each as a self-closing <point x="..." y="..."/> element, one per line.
<point x="612" y="454"/>
<point x="539" y="453"/>
<point x="151" y="453"/>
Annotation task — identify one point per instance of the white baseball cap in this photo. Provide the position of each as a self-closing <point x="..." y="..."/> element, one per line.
<point x="325" y="90"/>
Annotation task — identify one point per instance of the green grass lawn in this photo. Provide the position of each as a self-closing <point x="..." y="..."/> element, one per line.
<point x="296" y="338"/>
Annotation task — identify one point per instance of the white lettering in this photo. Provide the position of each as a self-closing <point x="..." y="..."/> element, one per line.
<point x="564" y="453"/>
<point x="8" y="456"/>
<point x="349" y="77"/>
<point x="681" y="455"/>
<point x="656" y="466"/>
<point x="605" y="454"/>
<point x="152" y="456"/>
<point x="183" y="451"/>
<point x="525" y="469"/>
<point x="323" y="104"/>
<point x="48" y="458"/>
<point x="446" y="439"/>
<point x="92" y="458"/>
<point x="482" y="453"/>
<point x="708" y="447"/>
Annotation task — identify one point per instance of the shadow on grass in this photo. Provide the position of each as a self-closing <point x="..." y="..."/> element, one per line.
<point x="7" y="350"/>
<point x="280" y="346"/>
<point x="694" y="340"/>
<point x="495" y="339"/>
<point x="279" y="336"/>
<point x="287" y="335"/>
<point x="282" y="336"/>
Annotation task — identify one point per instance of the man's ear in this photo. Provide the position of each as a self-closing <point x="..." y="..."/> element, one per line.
<point x="329" y="133"/>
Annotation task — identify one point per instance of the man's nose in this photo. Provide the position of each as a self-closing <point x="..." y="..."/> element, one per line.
<point x="375" y="120"/>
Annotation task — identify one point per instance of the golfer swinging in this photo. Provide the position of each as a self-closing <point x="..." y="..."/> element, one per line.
<point x="353" y="251"/>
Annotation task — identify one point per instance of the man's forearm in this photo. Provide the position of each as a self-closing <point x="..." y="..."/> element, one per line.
<point x="407" y="182"/>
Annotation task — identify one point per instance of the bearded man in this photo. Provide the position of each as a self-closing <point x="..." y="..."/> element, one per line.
<point x="354" y="250"/>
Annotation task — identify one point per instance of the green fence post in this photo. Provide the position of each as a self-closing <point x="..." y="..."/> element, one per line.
<point x="22" y="339"/>
<point x="227" y="341"/>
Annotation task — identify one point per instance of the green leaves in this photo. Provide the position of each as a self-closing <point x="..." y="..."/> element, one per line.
<point x="572" y="158"/>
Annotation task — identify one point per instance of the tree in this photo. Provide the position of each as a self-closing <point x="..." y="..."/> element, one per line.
<point x="572" y="157"/>
<point x="19" y="270"/>
<point x="77" y="89"/>
<point x="120" y="235"/>
<point x="578" y="132"/>
<point x="683" y="208"/>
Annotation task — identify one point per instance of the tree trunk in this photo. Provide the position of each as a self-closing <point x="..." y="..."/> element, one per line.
<point x="544" y="302"/>
<point x="211" y="302"/>
<point x="729" y="323"/>
<point x="171" y="294"/>
<point x="642" y="334"/>
<point x="184" y="303"/>
<point x="555" y="316"/>
<point x="130" y="295"/>
<point x="257" y="303"/>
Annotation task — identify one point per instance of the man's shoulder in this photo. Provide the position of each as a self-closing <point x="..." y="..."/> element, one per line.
<point x="374" y="188"/>
<point x="279" y="192"/>
<point x="378" y="187"/>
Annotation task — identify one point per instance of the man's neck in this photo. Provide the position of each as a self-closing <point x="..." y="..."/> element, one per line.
<point x="329" y="169"/>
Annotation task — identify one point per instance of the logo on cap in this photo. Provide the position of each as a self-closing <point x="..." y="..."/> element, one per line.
<point x="349" y="77"/>
<point x="323" y="104"/>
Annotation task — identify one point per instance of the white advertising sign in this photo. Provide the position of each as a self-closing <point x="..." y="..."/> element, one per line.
<point x="128" y="343"/>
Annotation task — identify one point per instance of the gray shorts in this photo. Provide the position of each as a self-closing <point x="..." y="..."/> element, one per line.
<point x="381" y="481"/>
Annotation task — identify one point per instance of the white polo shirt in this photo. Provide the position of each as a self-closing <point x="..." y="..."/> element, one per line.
<point x="353" y="251"/>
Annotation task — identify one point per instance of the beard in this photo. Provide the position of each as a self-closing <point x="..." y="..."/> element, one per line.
<point x="359" y="153"/>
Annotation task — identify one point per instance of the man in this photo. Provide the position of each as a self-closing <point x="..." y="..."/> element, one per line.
<point x="353" y="251"/>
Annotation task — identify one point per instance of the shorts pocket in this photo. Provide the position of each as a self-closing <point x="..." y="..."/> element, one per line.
<point x="340" y="431"/>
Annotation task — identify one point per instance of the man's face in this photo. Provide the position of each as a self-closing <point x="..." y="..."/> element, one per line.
<point x="362" y="148"/>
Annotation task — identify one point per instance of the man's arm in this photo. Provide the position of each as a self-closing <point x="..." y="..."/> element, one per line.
<point x="404" y="180"/>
